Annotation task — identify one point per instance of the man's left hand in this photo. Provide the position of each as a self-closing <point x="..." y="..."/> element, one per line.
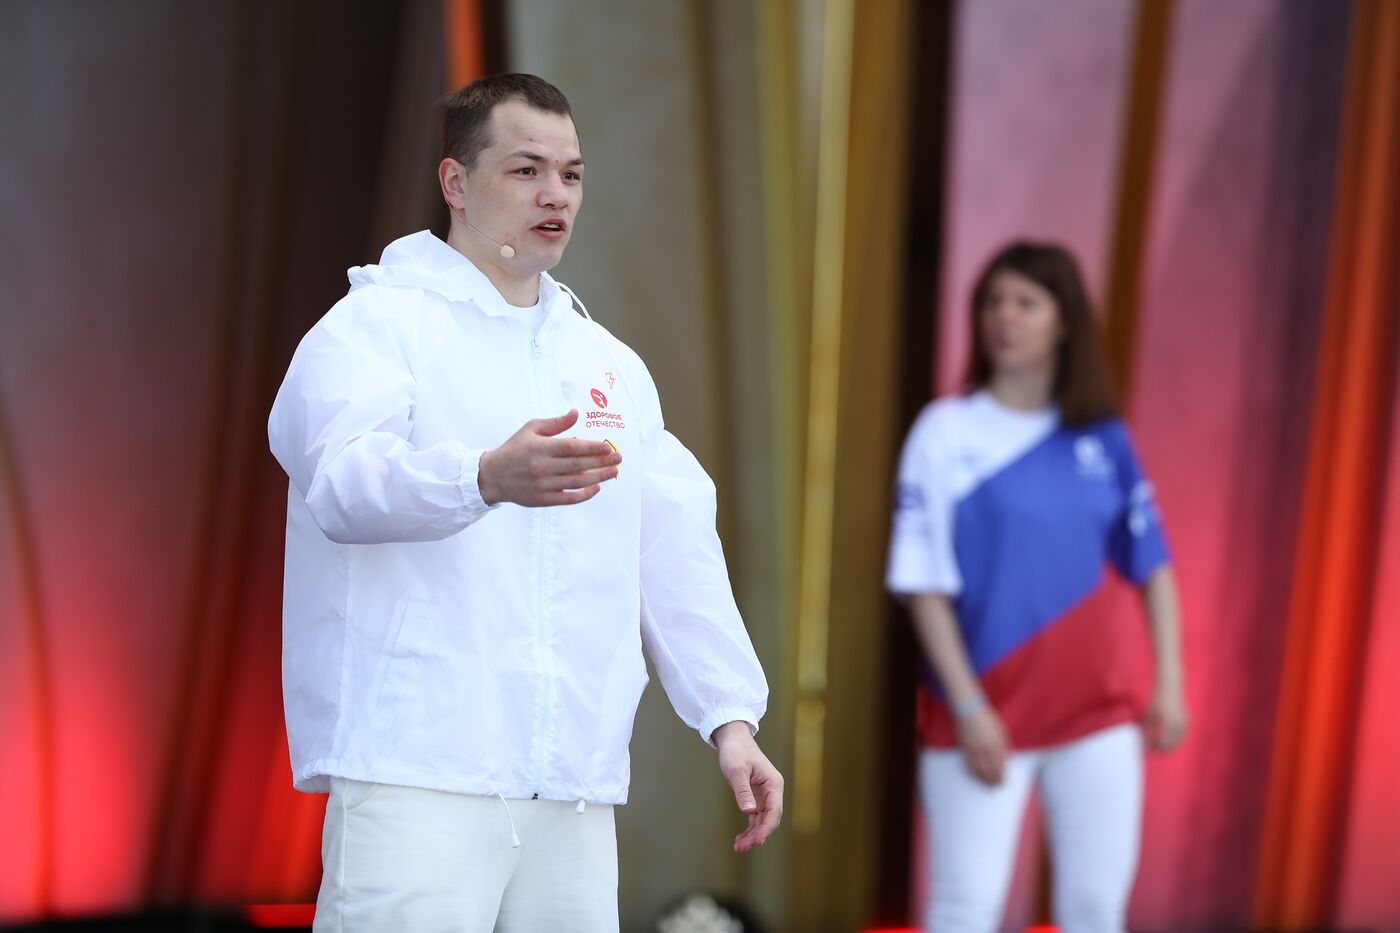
<point x="757" y="785"/>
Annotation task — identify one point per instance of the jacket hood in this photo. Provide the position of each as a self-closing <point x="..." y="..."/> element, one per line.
<point x="421" y="260"/>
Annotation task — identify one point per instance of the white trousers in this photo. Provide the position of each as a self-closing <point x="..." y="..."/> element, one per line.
<point x="404" y="858"/>
<point x="1091" y="795"/>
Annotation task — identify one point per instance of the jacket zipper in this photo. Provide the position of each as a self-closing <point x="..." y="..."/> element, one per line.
<point x="541" y="649"/>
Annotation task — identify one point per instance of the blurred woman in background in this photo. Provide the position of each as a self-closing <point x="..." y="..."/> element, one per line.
<point x="1014" y="496"/>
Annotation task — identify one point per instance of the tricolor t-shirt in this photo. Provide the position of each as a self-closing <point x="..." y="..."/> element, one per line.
<point x="1016" y="518"/>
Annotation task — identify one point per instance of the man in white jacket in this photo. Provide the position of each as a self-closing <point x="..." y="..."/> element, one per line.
<point x="472" y="576"/>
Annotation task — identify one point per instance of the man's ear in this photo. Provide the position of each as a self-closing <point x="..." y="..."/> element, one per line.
<point x="452" y="177"/>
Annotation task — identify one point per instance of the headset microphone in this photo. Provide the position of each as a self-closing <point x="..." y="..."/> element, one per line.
<point x="507" y="251"/>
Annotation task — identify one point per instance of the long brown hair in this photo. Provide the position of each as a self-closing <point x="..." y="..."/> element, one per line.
<point x="1082" y="388"/>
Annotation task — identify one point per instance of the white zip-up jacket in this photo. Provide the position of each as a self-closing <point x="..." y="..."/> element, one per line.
<point x="432" y="641"/>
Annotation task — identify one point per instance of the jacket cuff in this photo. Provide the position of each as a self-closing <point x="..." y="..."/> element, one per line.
<point x="723" y="715"/>
<point x="472" y="502"/>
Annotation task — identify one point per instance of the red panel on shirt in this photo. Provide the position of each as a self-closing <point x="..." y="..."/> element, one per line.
<point x="1084" y="672"/>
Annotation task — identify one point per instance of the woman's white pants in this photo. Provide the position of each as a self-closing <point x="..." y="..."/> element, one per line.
<point x="404" y="858"/>
<point x="1091" y="795"/>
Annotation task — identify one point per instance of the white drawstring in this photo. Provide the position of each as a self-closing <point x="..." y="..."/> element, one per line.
<point x="514" y="839"/>
<point x="602" y="343"/>
<point x="579" y="808"/>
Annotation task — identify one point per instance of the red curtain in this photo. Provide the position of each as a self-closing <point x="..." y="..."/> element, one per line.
<point x="183" y="187"/>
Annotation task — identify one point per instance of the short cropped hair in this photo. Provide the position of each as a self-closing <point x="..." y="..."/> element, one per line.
<point x="466" y="114"/>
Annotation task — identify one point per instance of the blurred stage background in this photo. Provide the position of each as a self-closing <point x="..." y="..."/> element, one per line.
<point x="787" y="201"/>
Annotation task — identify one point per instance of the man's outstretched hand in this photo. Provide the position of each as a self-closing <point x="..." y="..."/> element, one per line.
<point x="757" y="785"/>
<point x="537" y="467"/>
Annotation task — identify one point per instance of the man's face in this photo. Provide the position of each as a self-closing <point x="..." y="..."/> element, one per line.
<point x="527" y="186"/>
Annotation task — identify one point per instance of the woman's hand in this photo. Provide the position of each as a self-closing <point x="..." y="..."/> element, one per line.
<point x="1165" y="722"/>
<point x="983" y="743"/>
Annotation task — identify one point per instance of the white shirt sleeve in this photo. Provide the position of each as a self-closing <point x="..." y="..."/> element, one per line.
<point x="922" y="557"/>
<point x="340" y="427"/>
<point x="691" y="627"/>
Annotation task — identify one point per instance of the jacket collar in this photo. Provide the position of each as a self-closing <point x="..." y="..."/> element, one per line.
<point x="422" y="260"/>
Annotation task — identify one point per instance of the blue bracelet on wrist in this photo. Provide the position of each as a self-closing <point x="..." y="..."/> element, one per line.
<point x="968" y="705"/>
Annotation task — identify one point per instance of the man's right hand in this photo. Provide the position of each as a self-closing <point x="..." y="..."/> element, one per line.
<point x="536" y="467"/>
